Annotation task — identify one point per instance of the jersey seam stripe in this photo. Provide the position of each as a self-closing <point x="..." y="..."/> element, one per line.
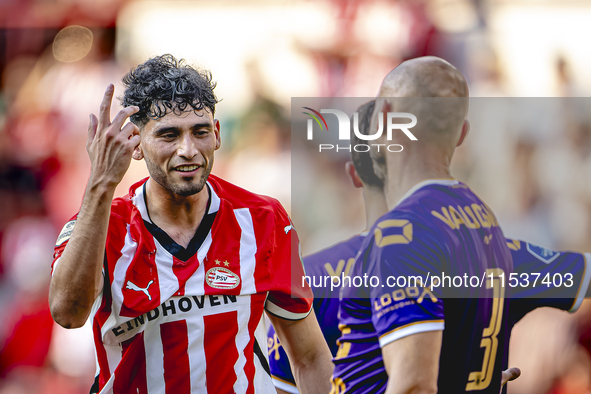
<point x="284" y="314"/>
<point x="108" y="387"/>
<point x="55" y="265"/>
<point x="138" y="200"/>
<point x="583" y="286"/>
<point x="412" y="324"/>
<point x="409" y="329"/>
<point x="285" y="386"/>
<point x="259" y="353"/>
<point x="283" y="380"/>
<point x="248" y="250"/>
<point x="215" y="199"/>
<point x="119" y="276"/>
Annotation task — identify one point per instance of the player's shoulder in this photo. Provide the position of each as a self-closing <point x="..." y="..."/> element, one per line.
<point x="123" y="207"/>
<point x="426" y="202"/>
<point x="433" y="193"/>
<point x="445" y="204"/>
<point x="403" y="230"/>
<point x="398" y="218"/>
<point x="333" y="254"/>
<point x="239" y="197"/>
<point x="347" y="247"/>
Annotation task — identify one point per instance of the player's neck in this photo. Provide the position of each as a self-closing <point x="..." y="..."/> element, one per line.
<point x="375" y="205"/>
<point x="402" y="176"/>
<point x="169" y="210"/>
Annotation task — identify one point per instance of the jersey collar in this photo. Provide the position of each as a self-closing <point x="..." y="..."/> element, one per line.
<point x="427" y="182"/>
<point x="181" y="253"/>
<point x="139" y="200"/>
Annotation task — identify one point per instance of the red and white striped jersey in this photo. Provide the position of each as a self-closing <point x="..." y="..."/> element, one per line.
<point x="176" y="320"/>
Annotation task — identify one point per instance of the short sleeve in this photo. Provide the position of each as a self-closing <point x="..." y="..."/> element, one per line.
<point x="290" y="297"/>
<point x="404" y="253"/>
<point x="546" y="278"/>
<point x="279" y="364"/>
<point x="62" y="241"/>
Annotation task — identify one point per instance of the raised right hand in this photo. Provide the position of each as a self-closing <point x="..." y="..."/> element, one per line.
<point x="110" y="144"/>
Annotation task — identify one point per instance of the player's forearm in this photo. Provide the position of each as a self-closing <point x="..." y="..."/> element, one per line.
<point x="311" y="362"/>
<point x="77" y="279"/>
<point x="412" y="363"/>
<point x="312" y="374"/>
<point x="411" y="390"/>
<point x="309" y="356"/>
<point x="411" y="383"/>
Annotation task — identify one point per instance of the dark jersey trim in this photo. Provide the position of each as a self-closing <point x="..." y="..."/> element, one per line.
<point x="95" y="386"/>
<point x="287" y="318"/>
<point x="170" y="245"/>
<point x="261" y="356"/>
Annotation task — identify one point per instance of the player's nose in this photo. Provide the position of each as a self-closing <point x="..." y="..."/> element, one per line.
<point x="187" y="147"/>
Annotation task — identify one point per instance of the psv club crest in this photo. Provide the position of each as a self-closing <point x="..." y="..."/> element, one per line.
<point x="222" y="278"/>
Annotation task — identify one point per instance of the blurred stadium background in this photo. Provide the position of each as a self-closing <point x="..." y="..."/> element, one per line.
<point x="57" y="57"/>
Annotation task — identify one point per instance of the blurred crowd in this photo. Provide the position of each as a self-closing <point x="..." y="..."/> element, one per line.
<point x="530" y="159"/>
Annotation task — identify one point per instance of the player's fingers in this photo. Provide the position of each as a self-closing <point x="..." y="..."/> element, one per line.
<point x="92" y="126"/>
<point x="104" y="117"/>
<point x="125" y="113"/>
<point x="509" y="375"/>
<point x="134" y="141"/>
<point x="129" y="130"/>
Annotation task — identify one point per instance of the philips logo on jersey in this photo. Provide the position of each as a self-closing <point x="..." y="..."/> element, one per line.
<point x="344" y="130"/>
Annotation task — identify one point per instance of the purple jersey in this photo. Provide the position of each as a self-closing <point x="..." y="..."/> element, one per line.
<point x="336" y="260"/>
<point x="536" y="271"/>
<point x="529" y="260"/>
<point x="439" y="228"/>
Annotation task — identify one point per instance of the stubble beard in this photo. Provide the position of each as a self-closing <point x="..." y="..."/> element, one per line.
<point x="183" y="189"/>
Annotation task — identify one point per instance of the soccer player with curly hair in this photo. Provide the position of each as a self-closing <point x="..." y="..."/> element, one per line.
<point x="175" y="275"/>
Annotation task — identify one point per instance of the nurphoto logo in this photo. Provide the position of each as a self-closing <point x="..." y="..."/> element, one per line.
<point x="344" y="131"/>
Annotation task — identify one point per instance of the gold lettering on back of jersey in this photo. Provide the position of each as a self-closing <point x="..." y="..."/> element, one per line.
<point x="445" y="218"/>
<point x="469" y="223"/>
<point x="514" y="244"/>
<point x="339" y="269"/>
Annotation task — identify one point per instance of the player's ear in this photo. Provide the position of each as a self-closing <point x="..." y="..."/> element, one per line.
<point x="465" y="131"/>
<point x="138" y="154"/>
<point x="352" y="172"/>
<point x="218" y="136"/>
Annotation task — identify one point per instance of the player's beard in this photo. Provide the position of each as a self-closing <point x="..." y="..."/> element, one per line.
<point x="184" y="189"/>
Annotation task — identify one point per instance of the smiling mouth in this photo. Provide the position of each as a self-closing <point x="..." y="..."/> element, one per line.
<point x="186" y="168"/>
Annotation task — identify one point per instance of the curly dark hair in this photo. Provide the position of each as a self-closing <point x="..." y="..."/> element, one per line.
<point x="164" y="84"/>
<point x="362" y="160"/>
